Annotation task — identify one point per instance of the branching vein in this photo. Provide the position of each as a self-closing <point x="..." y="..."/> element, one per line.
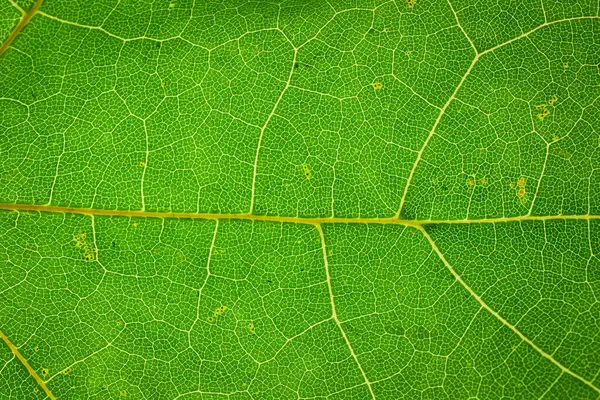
<point x="501" y="319"/>
<point x="334" y="313"/>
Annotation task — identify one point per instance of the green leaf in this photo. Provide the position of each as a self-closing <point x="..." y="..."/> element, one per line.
<point x="299" y="199"/>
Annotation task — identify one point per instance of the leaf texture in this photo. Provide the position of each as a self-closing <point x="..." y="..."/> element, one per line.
<point x="299" y="200"/>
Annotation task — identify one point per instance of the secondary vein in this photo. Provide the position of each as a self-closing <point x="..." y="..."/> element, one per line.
<point x="501" y="319"/>
<point x="30" y="369"/>
<point x="334" y="313"/>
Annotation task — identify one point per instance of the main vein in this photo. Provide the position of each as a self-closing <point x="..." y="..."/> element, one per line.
<point x="293" y="220"/>
<point x="22" y="23"/>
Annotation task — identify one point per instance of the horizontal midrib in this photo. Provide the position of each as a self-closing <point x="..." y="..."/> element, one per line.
<point x="295" y="220"/>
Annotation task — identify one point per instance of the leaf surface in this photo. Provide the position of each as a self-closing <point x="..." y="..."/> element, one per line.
<point x="305" y="200"/>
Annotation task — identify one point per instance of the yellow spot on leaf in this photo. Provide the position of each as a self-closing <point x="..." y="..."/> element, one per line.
<point x="210" y="319"/>
<point x="79" y="240"/>
<point x="306" y="170"/>
<point x="377" y="85"/>
<point x="408" y="52"/>
<point x="566" y="65"/>
<point x="89" y="253"/>
<point x="472" y="181"/>
<point x="219" y="311"/>
<point x="564" y="153"/>
<point x="44" y="372"/>
<point x="142" y="164"/>
<point x="66" y="371"/>
<point x="386" y="29"/>
<point x="36" y="349"/>
<point x="555" y="138"/>
<point x="251" y="329"/>
<point x="411" y="3"/>
<point x="522" y="195"/>
<point x="520" y="190"/>
<point x="543" y="114"/>
<point x="123" y="393"/>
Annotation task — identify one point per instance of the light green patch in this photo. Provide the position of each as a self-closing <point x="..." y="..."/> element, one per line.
<point x="89" y="252"/>
<point x="307" y="171"/>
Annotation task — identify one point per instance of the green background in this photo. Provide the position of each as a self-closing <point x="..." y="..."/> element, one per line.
<point x="340" y="122"/>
